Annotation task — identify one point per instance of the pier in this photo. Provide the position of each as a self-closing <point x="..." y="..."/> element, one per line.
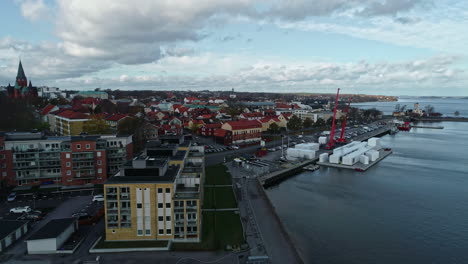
<point x="280" y="175"/>
<point x="358" y="166"/>
<point x="433" y="127"/>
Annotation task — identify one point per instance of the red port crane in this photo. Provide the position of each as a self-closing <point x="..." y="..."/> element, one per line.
<point x="331" y="141"/>
<point x="343" y="124"/>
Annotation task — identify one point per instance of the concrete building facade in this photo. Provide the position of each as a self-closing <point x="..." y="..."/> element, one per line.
<point x="158" y="195"/>
<point x="31" y="159"/>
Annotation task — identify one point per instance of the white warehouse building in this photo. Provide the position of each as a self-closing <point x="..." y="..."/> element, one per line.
<point x="52" y="236"/>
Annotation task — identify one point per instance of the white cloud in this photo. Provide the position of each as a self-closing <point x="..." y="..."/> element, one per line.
<point x="33" y="9"/>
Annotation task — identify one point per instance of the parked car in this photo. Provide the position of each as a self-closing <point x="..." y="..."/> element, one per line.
<point x="79" y="214"/>
<point x="34" y="215"/>
<point x="20" y="210"/>
<point x="235" y="147"/>
<point x="12" y="197"/>
<point x="98" y="198"/>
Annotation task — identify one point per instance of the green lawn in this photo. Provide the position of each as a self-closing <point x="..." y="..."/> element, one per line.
<point x="219" y="230"/>
<point x="218" y="175"/>
<point x="219" y="197"/>
<point x="130" y="244"/>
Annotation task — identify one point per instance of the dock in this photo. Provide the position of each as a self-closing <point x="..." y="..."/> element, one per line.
<point x="433" y="127"/>
<point x="276" y="177"/>
<point x="358" y="166"/>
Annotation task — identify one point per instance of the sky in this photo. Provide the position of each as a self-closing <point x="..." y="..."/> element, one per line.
<point x="388" y="47"/>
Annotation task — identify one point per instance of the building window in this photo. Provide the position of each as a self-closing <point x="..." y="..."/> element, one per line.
<point x="160" y="190"/>
<point x="68" y="173"/>
<point x="67" y="155"/>
<point x="78" y="146"/>
<point x="88" y="146"/>
<point x="148" y="232"/>
<point x="168" y="218"/>
<point x="139" y="205"/>
<point x="168" y="205"/>
<point x="160" y="218"/>
<point x="140" y="232"/>
<point x="161" y="231"/>
<point x="168" y="231"/>
<point x="99" y="162"/>
<point x="99" y="170"/>
<point x="168" y="190"/>
<point x="68" y="164"/>
<point x="99" y="153"/>
<point x="160" y="205"/>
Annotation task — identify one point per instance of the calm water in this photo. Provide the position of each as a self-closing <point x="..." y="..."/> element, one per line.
<point x="412" y="207"/>
<point x="447" y="107"/>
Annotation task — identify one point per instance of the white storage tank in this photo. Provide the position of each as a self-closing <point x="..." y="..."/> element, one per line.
<point x="334" y="158"/>
<point x="373" y="155"/>
<point x="323" y="157"/>
<point x="373" y="142"/>
<point x="322" y="140"/>
<point x="364" y="159"/>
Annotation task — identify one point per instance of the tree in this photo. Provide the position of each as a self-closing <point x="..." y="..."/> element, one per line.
<point x="96" y="126"/>
<point x="195" y="127"/>
<point x="456" y="113"/>
<point x="16" y="114"/>
<point x="308" y="122"/>
<point x="320" y="122"/>
<point x="274" y="128"/>
<point x="129" y="125"/>
<point x="295" y="123"/>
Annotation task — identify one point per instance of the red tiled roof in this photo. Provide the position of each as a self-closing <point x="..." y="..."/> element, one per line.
<point x="281" y="105"/>
<point x="116" y="117"/>
<point x="47" y="109"/>
<point x="220" y="132"/>
<point x="244" y="124"/>
<point x="215" y="125"/>
<point x="254" y="114"/>
<point x="265" y="120"/>
<point x="72" y="115"/>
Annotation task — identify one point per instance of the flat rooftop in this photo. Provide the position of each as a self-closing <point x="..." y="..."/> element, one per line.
<point x="52" y="229"/>
<point x="169" y="176"/>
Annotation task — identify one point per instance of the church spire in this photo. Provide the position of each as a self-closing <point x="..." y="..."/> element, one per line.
<point x="20" y="74"/>
<point x="21" y="77"/>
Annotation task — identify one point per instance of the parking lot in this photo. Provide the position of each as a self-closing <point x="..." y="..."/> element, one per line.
<point x="52" y="206"/>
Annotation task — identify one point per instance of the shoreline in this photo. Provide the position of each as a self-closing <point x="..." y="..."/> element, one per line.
<point x="283" y="230"/>
<point x="441" y="119"/>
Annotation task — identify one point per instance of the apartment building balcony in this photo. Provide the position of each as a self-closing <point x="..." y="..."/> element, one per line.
<point x="111" y="197"/>
<point x="192" y="222"/>
<point x="191" y="208"/>
<point x="184" y="192"/>
<point x="83" y="156"/>
<point x="80" y="175"/>
<point x="116" y="154"/>
<point x="112" y="211"/>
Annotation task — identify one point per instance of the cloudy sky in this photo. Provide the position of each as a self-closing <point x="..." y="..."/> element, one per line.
<point x="391" y="47"/>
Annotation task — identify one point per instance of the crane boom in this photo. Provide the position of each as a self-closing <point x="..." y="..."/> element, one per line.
<point x="331" y="141"/>
<point x="343" y="124"/>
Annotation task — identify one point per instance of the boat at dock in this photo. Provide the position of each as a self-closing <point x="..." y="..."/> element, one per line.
<point x="312" y="167"/>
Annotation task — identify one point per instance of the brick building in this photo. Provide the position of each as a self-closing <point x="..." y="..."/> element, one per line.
<point x="31" y="159"/>
<point x="244" y="131"/>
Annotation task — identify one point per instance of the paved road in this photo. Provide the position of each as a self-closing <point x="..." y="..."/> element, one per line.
<point x="263" y="228"/>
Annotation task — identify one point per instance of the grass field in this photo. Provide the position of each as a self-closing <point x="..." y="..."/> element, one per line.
<point x="217" y="175"/>
<point x="219" y="230"/>
<point x="219" y="197"/>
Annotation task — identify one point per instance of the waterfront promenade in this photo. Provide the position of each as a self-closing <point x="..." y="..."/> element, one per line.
<point x="264" y="231"/>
